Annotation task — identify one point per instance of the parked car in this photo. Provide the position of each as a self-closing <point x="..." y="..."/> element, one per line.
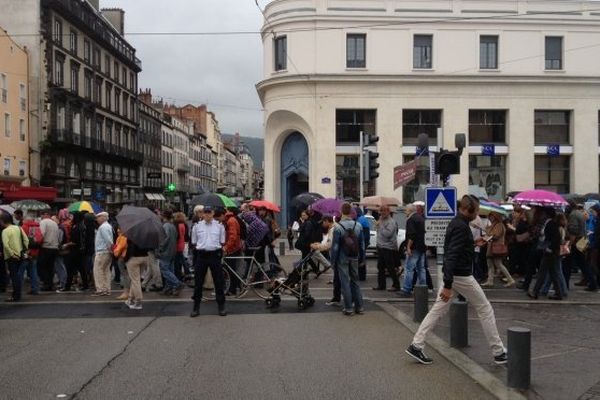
<point x="372" y="249"/>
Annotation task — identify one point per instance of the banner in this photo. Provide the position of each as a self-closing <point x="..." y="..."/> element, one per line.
<point x="405" y="173"/>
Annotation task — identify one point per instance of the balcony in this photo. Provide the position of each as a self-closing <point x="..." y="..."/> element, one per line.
<point x="67" y="137"/>
<point x="182" y="166"/>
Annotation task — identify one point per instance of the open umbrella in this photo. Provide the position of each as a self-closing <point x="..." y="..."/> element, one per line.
<point x="215" y="200"/>
<point x="140" y="225"/>
<point x="7" y="209"/>
<point x="305" y="199"/>
<point x="377" y="202"/>
<point x="542" y="198"/>
<point x="328" y="207"/>
<point x="487" y="207"/>
<point x="29" y="205"/>
<point x="89" y="206"/>
<point x="265" y="204"/>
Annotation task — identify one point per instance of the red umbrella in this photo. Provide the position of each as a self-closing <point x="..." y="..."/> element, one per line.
<point x="265" y="204"/>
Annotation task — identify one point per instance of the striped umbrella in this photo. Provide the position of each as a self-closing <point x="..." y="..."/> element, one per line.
<point x="29" y="205"/>
<point x="487" y="207"/>
<point x="88" y="206"/>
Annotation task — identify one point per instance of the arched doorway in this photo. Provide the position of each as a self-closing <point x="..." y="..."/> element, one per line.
<point x="294" y="174"/>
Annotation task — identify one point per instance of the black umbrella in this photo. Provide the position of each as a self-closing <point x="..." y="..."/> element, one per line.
<point x="592" y="196"/>
<point x="140" y="225"/>
<point x="304" y="200"/>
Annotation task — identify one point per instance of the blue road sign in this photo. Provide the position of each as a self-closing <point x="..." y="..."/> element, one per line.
<point x="488" y="150"/>
<point x="553" y="150"/>
<point x="440" y="202"/>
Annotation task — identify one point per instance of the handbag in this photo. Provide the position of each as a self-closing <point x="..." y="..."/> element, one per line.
<point x="582" y="244"/>
<point x="499" y="249"/>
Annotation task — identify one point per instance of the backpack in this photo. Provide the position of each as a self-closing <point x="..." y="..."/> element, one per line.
<point x="350" y="243"/>
<point x="243" y="228"/>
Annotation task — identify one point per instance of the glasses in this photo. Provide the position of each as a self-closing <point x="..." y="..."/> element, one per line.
<point x="207" y="211"/>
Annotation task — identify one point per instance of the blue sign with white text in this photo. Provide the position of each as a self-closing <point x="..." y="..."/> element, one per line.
<point x="440" y="202"/>
<point x="488" y="150"/>
<point x="553" y="150"/>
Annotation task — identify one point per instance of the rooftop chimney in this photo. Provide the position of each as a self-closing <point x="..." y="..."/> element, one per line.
<point x="116" y="17"/>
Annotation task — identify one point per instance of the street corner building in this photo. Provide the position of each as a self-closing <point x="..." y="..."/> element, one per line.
<point x="519" y="78"/>
<point x="83" y="126"/>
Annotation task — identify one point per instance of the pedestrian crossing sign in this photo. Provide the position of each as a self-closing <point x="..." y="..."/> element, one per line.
<point x="440" y="202"/>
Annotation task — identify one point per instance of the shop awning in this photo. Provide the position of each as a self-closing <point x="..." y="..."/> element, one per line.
<point x="154" y="196"/>
<point x="45" y="194"/>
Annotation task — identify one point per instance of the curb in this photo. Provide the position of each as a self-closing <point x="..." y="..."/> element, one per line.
<point x="512" y="301"/>
<point x="485" y="379"/>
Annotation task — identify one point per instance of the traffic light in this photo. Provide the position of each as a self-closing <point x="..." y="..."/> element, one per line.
<point x="370" y="165"/>
<point x="369" y="140"/>
<point x="447" y="163"/>
<point x="171" y="187"/>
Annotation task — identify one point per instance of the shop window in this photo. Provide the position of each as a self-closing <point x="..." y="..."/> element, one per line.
<point x="489" y="173"/>
<point x="349" y="124"/>
<point x="415" y="122"/>
<point x="552" y="173"/>
<point x="552" y="127"/>
<point x="487" y="126"/>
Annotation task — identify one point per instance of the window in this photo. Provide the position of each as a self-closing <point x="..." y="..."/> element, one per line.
<point x="86" y="50"/>
<point x="99" y="171"/>
<point x="73" y="42"/>
<point x="487" y="126"/>
<point x="117" y="101"/>
<point x="59" y="72"/>
<point x="22" y="168"/>
<point x="554" y="52"/>
<point x="89" y="169"/>
<point x="97" y="62"/>
<point x="552" y="127"/>
<point x="22" y="130"/>
<point x="132" y="108"/>
<point x="132" y="82"/>
<point x="552" y="173"/>
<point x="108" y="96"/>
<point x="98" y="92"/>
<point x="60" y="118"/>
<point x="280" y="46"/>
<point x="107" y="65"/>
<point x="124" y="76"/>
<point x="3" y="88"/>
<point x="87" y="85"/>
<point x="116" y="71"/>
<point x="76" y="123"/>
<point x="22" y="97"/>
<point x="488" y="52"/>
<point x="356" y="51"/>
<point x="7" y="166"/>
<point x="349" y="124"/>
<point x="7" y="124"/>
<point x="75" y="78"/>
<point x="415" y="122"/>
<point x="125" y="103"/>
<point x="57" y="33"/>
<point x="348" y="177"/>
<point x="489" y="173"/>
<point x="422" y="51"/>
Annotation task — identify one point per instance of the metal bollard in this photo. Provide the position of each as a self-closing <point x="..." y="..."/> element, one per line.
<point x="519" y="358"/>
<point x="459" y="324"/>
<point x="282" y="248"/>
<point x="421" y="294"/>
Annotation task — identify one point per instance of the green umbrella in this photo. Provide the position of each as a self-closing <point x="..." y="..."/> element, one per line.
<point x="227" y="202"/>
<point x="30" y="205"/>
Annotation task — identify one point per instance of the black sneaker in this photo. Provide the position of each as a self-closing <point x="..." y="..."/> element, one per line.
<point x="333" y="303"/>
<point x="501" y="359"/>
<point x="418" y="355"/>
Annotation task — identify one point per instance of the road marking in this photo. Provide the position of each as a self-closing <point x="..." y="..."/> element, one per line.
<point x="558" y="354"/>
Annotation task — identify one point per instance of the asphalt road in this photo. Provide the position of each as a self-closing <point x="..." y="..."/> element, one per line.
<point x="101" y="351"/>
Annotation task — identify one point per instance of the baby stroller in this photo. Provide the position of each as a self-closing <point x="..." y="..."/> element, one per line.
<point x="296" y="284"/>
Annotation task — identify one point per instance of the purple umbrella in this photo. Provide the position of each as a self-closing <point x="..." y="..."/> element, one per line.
<point x="328" y="206"/>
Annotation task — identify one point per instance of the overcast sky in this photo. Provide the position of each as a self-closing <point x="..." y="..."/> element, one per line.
<point x="220" y="71"/>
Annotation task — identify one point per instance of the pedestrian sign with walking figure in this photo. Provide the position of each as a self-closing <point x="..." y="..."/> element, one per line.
<point x="440" y="202"/>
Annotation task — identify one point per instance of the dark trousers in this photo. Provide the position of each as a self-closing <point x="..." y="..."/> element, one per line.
<point x="533" y="262"/>
<point x="578" y="260"/>
<point x="337" y="284"/>
<point x="386" y="261"/>
<point x="75" y="262"/>
<point x="16" y="269"/>
<point x="518" y="258"/>
<point x="206" y="260"/>
<point x="550" y="264"/>
<point x="46" y="267"/>
<point x="3" y="275"/>
<point x="427" y="277"/>
<point x="179" y="265"/>
<point x="234" y="282"/>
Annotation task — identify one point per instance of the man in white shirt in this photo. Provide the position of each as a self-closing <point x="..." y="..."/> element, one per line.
<point x="209" y="237"/>
<point x="48" y="251"/>
<point x="103" y="255"/>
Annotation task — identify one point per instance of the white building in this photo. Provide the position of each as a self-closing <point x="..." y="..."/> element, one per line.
<point x="519" y="75"/>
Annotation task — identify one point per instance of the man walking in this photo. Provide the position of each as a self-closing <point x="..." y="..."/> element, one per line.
<point x="14" y="244"/>
<point x="166" y="256"/>
<point x="458" y="278"/>
<point x="48" y="251"/>
<point x="103" y="256"/>
<point x="347" y="249"/>
<point x="209" y="236"/>
<point x="415" y="250"/>
<point x="387" y="250"/>
<point x="319" y="248"/>
<point x="232" y="247"/>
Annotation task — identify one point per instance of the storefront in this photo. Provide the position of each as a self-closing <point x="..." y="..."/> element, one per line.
<point x="10" y="191"/>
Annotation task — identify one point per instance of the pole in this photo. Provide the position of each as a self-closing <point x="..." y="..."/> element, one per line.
<point x="519" y="358"/>
<point x="421" y="295"/>
<point x="361" y="166"/>
<point x="459" y="324"/>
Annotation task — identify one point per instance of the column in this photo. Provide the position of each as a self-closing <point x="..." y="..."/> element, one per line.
<point x="455" y="119"/>
<point x="520" y="169"/>
<point x="584" y="171"/>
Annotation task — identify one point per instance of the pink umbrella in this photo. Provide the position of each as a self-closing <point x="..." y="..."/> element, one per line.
<point x="540" y="198"/>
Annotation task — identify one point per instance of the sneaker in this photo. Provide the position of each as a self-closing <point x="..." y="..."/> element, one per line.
<point x="418" y="355"/>
<point x="359" y="311"/>
<point x="135" y="306"/>
<point x="501" y="359"/>
<point x="333" y="302"/>
<point x="128" y="303"/>
<point x="348" y="313"/>
<point x="403" y="294"/>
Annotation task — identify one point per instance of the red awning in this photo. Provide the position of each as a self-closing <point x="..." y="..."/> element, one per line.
<point x="45" y="194"/>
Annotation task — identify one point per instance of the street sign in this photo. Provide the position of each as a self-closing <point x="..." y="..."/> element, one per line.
<point x="153" y="175"/>
<point x="553" y="150"/>
<point x="488" y="150"/>
<point x="435" y="232"/>
<point x="440" y="202"/>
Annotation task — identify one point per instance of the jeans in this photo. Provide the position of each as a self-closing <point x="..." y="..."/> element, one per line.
<point x="206" y="260"/>
<point x="348" y="272"/>
<point x="31" y="268"/>
<point x="578" y="260"/>
<point x="3" y="275"/>
<point x="386" y="261"/>
<point x="179" y="265"/>
<point x="166" y="269"/>
<point x="561" y="280"/>
<point x="60" y="271"/>
<point x="16" y="268"/>
<point x="468" y="287"/>
<point x="550" y="265"/>
<point x="46" y="266"/>
<point x="415" y="261"/>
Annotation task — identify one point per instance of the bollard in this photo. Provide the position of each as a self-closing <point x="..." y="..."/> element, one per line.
<point x="421" y="294"/>
<point x="282" y="248"/>
<point x="519" y="358"/>
<point x="459" y="324"/>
